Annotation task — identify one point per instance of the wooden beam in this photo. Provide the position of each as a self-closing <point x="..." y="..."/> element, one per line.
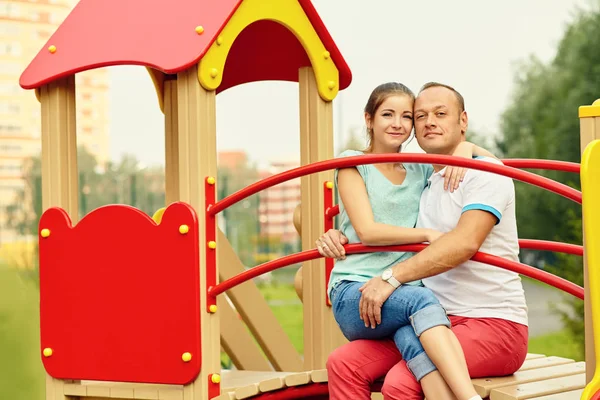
<point x="59" y="166"/>
<point x="321" y="333"/>
<point x="171" y="142"/>
<point x="197" y="160"/>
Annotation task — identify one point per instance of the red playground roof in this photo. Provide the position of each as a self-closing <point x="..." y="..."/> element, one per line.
<point x="152" y="33"/>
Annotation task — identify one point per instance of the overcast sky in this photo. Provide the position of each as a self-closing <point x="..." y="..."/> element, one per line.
<point x="474" y="45"/>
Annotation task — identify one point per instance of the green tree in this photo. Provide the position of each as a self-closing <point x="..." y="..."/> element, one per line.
<point x="542" y="122"/>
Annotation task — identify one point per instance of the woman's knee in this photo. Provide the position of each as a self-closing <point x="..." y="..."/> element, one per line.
<point x="429" y="313"/>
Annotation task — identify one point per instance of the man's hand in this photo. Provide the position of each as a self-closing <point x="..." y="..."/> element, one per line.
<point x="331" y="244"/>
<point x="374" y="293"/>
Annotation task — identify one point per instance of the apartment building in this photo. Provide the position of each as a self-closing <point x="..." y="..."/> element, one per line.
<point x="277" y="204"/>
<point x="25" y="27"/>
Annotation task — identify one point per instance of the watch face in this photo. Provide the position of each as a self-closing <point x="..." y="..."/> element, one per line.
<point x="387" y="274"/>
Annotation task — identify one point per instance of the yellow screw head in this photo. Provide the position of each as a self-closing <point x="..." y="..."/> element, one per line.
<point x="52" y="49"/>
<point x="329" y="185"/>
<point x="210" y="180"/>
<point x="183" y="229"/>
<point x="199" y="29"/>
<point x="326" y="55"/>
<point x="47" y="352"/>
<point x="219" y="40"/>
<point x="213" y="308"/>
<point x="45" y="232"/>
<point x="212" y="244"/>
<point x="186" y="357"/>
<point x="215" y="378"/>
<point x="331" y="85"/>
<point x="214" y="72"/>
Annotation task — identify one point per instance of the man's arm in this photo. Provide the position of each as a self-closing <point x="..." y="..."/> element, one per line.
<point x="450" y="250"/>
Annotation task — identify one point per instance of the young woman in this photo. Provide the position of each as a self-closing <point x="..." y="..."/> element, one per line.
<point x="379" y="204"/>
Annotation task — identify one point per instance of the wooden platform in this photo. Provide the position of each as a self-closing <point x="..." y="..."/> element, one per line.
<point x="540" y="378"/>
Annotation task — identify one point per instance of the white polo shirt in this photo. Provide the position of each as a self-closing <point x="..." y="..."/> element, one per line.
<point x="474" y="289"/>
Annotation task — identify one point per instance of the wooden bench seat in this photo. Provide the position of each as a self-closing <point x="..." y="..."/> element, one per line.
<point x="540" y="378"/>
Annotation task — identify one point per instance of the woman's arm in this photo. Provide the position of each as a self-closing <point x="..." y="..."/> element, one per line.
<point x="353" y="194"/>
<point x="474" y="150"/>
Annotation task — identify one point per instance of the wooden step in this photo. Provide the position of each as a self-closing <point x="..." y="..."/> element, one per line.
<point x="574" y="395"/>
<point x="483" y="386"/>
<point x="540" y="388"/>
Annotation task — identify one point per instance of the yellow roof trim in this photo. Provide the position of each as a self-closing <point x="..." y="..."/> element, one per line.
<point x="290" y="14"/>
<point x="590" y="111"/>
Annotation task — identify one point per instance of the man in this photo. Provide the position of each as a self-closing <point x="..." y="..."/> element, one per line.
<point x="485" y="304"/>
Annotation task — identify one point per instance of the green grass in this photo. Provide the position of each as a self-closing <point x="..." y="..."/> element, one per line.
<point x="560" y="344"/>
<point x="22" y="375"/>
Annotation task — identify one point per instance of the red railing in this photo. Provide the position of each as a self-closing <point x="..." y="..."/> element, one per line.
<point x="509" y="169"/>
<point x="346" y="162"/>
<point x="485" y="258"/>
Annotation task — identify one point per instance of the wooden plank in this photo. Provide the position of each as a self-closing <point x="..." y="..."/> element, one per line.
<point x="533" y="356"/>
<point x="299" y="379"/>
<point x="484" y="386"/>
<point x="544" y="362"/>
<point x="540" y="388"/>
<point x="573" y="395"/>
<point x="247" y="391"/>
<point x="319" y="376"/>
<point x="237" y="341"/>
<point x="234" y="379"/>
<point x="255" y="311"/>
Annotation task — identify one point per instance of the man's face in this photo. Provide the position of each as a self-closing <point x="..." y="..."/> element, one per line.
<point x="439" y="124"/>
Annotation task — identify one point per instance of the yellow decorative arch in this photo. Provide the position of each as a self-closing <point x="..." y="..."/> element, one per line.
<point x="290" y="14"/>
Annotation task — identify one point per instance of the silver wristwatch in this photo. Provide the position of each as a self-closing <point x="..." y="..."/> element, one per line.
<point x="388" y="276"/>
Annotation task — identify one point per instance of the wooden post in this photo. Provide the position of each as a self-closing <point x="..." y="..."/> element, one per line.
<point x="197" y="160"/>
<point x="589" y="119"/>
<point x="321" y="334"/>
<point x="171" y="141"/>
<point x="59" y="166"/>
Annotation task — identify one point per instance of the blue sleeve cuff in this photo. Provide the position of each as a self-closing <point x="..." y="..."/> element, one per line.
<point x="483" y="207"/>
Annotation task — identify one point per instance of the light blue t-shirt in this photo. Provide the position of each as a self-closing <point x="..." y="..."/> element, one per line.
<point x="392" y="205"/>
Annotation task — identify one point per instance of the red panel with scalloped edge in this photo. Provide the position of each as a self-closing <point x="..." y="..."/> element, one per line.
<point x="120" y="296"/>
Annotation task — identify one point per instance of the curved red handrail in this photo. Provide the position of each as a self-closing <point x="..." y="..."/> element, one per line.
<point x="549" y="165"/>
<point x="345" y="162"/>
<point x="546" y="245"/>
<point x="485" y="258"/>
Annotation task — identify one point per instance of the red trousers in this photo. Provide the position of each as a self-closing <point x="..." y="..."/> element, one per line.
<point x="492" y="347"/>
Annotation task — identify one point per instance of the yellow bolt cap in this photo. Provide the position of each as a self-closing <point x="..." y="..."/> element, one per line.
<point x="45" y="232"/>
<point x="215" y="378"/>
<point x="219" y="40"/>
<point x="210" y="180"/>
<point x="199" y="29"/>
<point x="331" y="85"/>
<point x="214" y="72"/>
<point x="326" y="55"/>
<point x="52" y="49"/>
<point x="329" y="185"/>
<point x="47" y="352"/>
<point x="212" y="244"/>
<point x="183" y="229"/>
<point x="212" y="308"/>
<point x="186" y="357"/>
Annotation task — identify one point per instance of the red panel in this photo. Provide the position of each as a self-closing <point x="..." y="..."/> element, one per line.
<point x="119" y="295"/>
<point x="264" y="50"/>
<point x="152" y="33"/>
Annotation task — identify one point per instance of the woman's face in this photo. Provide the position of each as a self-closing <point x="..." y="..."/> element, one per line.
<point x="391" y="124"/>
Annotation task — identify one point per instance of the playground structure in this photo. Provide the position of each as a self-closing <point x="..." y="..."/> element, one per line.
<point x="134" y="307"/>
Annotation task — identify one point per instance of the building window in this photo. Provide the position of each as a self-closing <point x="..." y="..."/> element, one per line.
<point x="9" y="109"/>
<point x="8" y="29"/>
<point x="10" y="10"/>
